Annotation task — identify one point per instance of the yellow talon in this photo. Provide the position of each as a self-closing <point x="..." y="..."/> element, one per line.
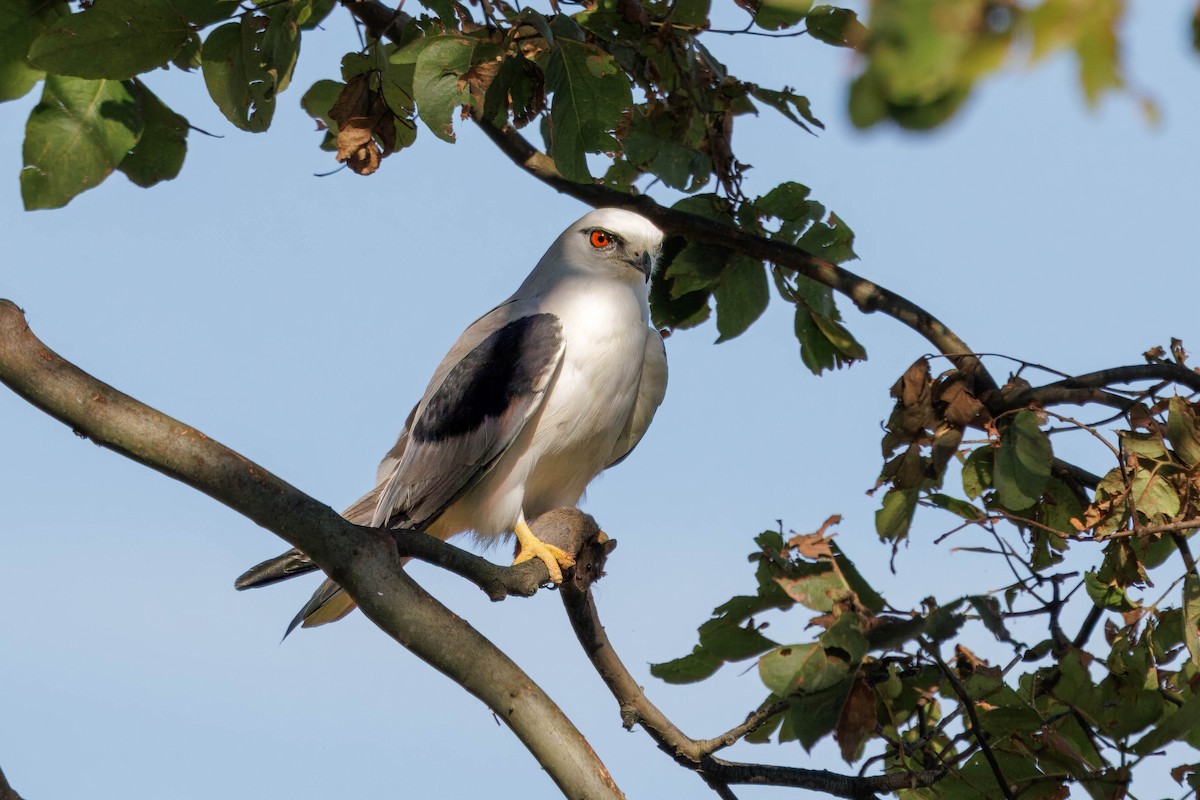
<point x="529" y="546"/>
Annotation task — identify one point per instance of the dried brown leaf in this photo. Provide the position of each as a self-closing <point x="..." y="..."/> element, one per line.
<point x="857" y="720"/>
<point x="366" y="127"/>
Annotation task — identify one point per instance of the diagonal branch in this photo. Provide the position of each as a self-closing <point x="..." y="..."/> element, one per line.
<point x="380" y="21"/>
<point x="696" y="755"/>
<point x="364" y="562"/>
<point x="6" y="791"/>
<point x="866" y="295"/>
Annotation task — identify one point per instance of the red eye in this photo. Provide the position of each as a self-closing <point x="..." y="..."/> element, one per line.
<point x="600" y="239"/>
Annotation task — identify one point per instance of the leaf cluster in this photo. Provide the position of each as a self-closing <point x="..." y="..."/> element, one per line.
<point x="1068" y="710"/>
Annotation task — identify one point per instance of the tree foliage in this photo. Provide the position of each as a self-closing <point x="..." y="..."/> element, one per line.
<point x="1101" y="617"/>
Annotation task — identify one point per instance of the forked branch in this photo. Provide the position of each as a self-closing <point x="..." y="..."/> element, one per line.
<point x="697" y="754"/>
<point x="365" y="562"/>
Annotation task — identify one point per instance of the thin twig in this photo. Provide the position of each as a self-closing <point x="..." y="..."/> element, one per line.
<point x="695" y="755"/>
<point x="969" y="706"/>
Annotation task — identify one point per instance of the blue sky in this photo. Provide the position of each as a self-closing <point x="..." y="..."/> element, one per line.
<point x="296" y="319"/>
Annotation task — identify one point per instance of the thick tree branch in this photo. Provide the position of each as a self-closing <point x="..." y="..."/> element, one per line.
<point x="1082" y="389"/>
<point x="6" y="791"/>
<point x="696" y="755"/>
<point x="364" y="562"/>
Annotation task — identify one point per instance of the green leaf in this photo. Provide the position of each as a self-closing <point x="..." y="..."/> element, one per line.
<point x="319" y="99"/>
<point x="1106" y="595"/>
<point x="962" y="508"/>
<point x="1191" y="617"/>
<point x="832" y="240"/>
<point x="846" y="639"/>
<point x="776" y="14"/>
<point x="727" y="640"/>
<point x="435" y="82"/>
<point x="1175" y="725"/>
<point x="1154" y="497"/>
<point x="820" y="588"/>
<point x="314" y="13"/>
<point x="75" y="137"/>
<point x="591" y="93"/>
<point x="814" y="715"/>
<point x="669" y="309"/>
<point x="696" y="666"/>
<point x="726" y="637"/>
<point x="837" y="26"/>
<point x="800" y="668"/>
<point x="117" y="39"/>
<point x="690" y="13"/>
<point x="977" y="472"/>
<point x="893" y="520"/>
<point x="1022" y="466"/>
<point x="697" y="267"/>
<point x="680" y="167"/>
<point x="21" y="22"/>
<point x="158" y="155"/>
<point x="238" y="75"/>
<point x="280" y="46"/>
<point x="1182" y="431"/>
<point x="867" y="596"/>
<point x="824" y="342"/>
<point x="784" y="102"/>
<point x="787" y="201"/>
<point x="742" y="295"/>
<point x="988" y="609"/>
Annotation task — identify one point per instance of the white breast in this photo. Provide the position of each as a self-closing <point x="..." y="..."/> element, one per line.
<point x="571" y="439"/>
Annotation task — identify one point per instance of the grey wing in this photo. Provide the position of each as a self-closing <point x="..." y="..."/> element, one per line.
<point x="486" y="389"/>
<point x="476" y="405"/>
<point x="652" y="388"/>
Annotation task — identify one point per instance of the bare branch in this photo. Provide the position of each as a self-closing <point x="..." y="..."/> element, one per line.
<point x="696" y="755"/>
<point x="753" y="722"/>
<point x="1084" y="389"/>
<point x="6" y="791"/>
<point x="364" y="562"/>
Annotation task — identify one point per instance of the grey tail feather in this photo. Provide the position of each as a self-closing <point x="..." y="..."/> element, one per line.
<point x="274" y="570"/>
<point x="325" y="592"/>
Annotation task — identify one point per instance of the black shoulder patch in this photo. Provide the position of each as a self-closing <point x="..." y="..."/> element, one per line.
<point x="504" y="366"/>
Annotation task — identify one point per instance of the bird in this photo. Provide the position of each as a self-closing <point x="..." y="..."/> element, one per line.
<point x="535" y="399"/>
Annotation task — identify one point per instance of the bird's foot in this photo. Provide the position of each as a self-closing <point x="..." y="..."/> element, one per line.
<point x="529" y="546"/>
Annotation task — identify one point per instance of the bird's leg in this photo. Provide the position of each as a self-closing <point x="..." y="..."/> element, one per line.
<point x="529" y="546"/>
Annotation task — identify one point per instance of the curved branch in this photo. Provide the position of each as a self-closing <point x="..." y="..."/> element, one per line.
<point x="1084" y="388"/>
<point x="869" y="297"/>
<point x="364" y="562"/>
<point x="696" y="755"/>
<point x="866" y="295"/>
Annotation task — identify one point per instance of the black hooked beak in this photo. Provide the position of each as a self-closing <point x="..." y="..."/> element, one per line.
<point x="643" y="264"/>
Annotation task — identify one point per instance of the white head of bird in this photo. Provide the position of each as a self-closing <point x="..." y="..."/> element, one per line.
<point x="605" y="243"/>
